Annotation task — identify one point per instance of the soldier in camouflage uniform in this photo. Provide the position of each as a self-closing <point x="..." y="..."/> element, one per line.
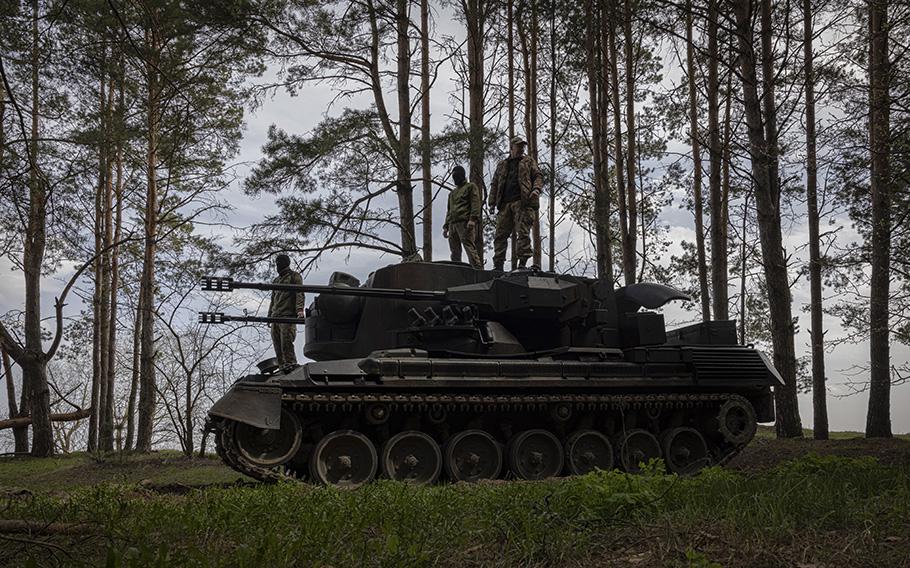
<point x="462" y="218"/>
<point x="515" y="193"/>
<point x="286" y="305"/>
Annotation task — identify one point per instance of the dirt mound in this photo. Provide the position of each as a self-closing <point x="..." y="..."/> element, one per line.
<point x="764" y="453"/>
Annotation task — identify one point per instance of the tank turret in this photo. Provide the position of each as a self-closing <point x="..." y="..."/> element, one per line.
<point x="487" y="313"/>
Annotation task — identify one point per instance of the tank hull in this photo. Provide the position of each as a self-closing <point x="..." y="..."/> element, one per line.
<point x="620" y="402"/>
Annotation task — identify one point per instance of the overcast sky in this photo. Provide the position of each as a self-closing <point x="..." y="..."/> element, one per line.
<point x="299" y="114"/>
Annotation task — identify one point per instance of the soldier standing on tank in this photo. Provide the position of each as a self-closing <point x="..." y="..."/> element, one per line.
<point x="286" y="304"/>
<point x="515" y="193"/>
<point x="462" y="217"/>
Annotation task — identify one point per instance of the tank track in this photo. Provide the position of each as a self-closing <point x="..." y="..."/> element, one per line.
<point x="354" y="402"/>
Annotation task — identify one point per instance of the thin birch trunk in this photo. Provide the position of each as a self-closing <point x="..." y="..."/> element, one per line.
<point x="147" y="381"/>
<point x="115" y="254"/>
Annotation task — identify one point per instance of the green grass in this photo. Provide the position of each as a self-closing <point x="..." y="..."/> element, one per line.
<point x="70" y="471"/>
<point x="821" y="510"/>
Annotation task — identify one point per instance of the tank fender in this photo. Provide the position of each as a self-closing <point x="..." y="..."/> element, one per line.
<point x="256" y="405"/>
<point x="771" y="368"/>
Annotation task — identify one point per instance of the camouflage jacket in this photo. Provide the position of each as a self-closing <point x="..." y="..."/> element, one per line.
<point x="529" y="179"/>
<point x="465" y="204"/>
<point x="286" y="304"/>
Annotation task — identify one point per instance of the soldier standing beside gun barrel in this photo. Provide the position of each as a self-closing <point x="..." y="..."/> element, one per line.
<point x="515" y="193"/>
<point x="462" y="217"/>
<point x="286" y="304"/>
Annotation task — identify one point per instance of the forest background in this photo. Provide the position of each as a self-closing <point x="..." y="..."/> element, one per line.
<point x="193" y="139"/>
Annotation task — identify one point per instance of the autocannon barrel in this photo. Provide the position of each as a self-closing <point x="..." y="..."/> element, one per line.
<point x="227" y="284"/>
<point x="219" y="317"/>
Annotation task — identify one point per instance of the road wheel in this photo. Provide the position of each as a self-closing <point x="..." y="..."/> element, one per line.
<point x="344" y="458"/>
<point x="535" y="454"/>
<point x="413" y="457"/>
<point x="685" y="450"/>
<point x="266" y="448"/>
<point x="587" y="450"/>
<point x="637" y="447"/>
<point x="736" y="421"/>
<point x="473" y="455"/>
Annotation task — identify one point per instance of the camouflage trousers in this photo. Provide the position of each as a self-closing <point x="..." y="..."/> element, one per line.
<point x="460" y="236"/>
<point x="283" y="335"/>
<point x="516" y="218"/>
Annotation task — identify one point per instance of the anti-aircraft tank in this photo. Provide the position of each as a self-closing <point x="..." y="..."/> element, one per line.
<point x="437" y="370"/>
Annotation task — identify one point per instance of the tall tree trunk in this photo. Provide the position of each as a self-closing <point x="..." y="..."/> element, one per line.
<point x="188" y="416"/>
<point x="719" y="267"/>
<point x="697" y="171"/>
<point x="510" y="63"/>
<point x="878" y="419"/>
<point x="134" y="381"/>
<point x="106" y="413"/>
<point x="725" y="170"/>
<point x="742" y="274"/>
<point x="763" y="154"/>
<point x="601" y="214"/>
<point x="97" y="358"/>
<point x="147" y="383"/>
<point x="619" y="159"/>
<point x="602" y="117"/>
<point x="551" y="206"/>
<point x="110" y="380"/>
<point x="34" y="365"/>
<point x="20" y="434"/>
<point x="405" y="189"/>
<point x="425" y="164"/>
<point x="529" y="42"/>
<point x="475" y="17"/>
<point x="819" y="402"/>
<point x="629" y="259"/>
<point x="536" y="241"/>
<point x="642" y="211"/>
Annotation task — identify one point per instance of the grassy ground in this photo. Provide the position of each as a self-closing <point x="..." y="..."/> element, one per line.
<point x="808" y="511"/>
<point x="67" y="472"/>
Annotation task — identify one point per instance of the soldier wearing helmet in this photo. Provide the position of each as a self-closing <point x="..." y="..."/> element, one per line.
<point x="515" y="194"/>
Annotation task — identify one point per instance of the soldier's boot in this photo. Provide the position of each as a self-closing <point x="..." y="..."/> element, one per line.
<point x="521" y="262"/>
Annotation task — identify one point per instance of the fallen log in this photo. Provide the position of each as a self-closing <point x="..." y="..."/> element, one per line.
<point x="21" y="421"/>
